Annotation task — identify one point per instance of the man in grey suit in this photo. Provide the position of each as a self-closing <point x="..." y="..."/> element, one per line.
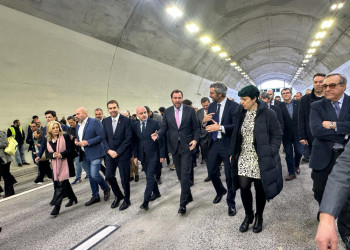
<point x="181" y="125"/>
<point x="335" y="196"/>
<point x="203" y="136"/>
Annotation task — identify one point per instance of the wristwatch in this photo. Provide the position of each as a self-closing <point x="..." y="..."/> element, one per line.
<point x="331" y="125"/>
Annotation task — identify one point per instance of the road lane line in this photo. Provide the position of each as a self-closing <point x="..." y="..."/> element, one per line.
<point x="25" y="192"/>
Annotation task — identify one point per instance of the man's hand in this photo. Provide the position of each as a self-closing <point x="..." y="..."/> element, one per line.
<point x="71" y="137"/>
<point x="154" y="136"/>
<point x="82" y="143"/>
<point x="326" y="124"/>
<point x="326" y="237"/>
<point x="208" y="117"/>
<point x="303" y="142"/>
<point x="213" y="127"/>
<point x="136" y="161"/>
<point x="193" y="144"/>
<point x="161" y="160"/>
<point x="112" y="153"/>
<point x="37" y="159"/>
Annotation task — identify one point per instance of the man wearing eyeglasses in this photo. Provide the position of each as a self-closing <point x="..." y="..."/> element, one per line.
<point x="330" y="125"/>
<point x="291" y="144"/>
<point x="304" y="131"/>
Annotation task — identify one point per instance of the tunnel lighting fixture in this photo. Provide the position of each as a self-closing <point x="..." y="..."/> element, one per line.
<point x="340" y="5"/>
<point x="174" y="11"/>
<point x="308" y="56"/>
<point x="305" y="60"/>
<point x="320" y="34"/>
<point x="311" y="51"/>
<point x="315" y="43"/>
<point x="192" y="27"/>
<point x="228" y="59"/>
<point x="327" y="23"/>
<point x="233" y="64"/>
<point x="237" y="67"/>
<point x="215" y="48"/>
<point x="334" y="6"/>
<point x="205" y="39"/>
<point x="223" y="54"/>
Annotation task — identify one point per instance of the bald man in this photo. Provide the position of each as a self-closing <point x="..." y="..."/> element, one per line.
<point x="149" y="152"/>
<point x="89" y="134"/>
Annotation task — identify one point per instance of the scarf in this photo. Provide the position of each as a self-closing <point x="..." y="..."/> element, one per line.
<point x="59" y="166"/>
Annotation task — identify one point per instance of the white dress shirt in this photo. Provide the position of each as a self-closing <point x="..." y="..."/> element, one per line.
<point x="81" y="130"/>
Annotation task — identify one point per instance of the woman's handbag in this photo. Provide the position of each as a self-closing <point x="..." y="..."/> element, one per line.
<point x="12" y="146"/>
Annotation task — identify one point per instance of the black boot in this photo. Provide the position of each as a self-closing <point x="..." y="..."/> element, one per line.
<point x="257" y="228"/>
<point x="71" y="202"/>
<point x="56" y="210"/>
<point x="245" y="224"/>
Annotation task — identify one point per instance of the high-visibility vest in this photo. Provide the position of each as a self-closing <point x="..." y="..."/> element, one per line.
<point x="13" y="131"/>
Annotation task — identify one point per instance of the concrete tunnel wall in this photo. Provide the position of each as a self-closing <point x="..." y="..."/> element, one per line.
<point x="45" y="66"/>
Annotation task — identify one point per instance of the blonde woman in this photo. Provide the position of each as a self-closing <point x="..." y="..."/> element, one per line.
<point x="59" y="147"/>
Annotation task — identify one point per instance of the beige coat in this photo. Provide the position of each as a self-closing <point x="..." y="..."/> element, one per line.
<point x="3" y="144"/>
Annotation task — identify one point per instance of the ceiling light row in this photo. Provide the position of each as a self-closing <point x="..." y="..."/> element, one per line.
<point x="337" y="6"/>
<point x="193" y="28"/>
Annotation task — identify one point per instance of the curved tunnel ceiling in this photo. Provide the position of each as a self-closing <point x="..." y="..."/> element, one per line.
<point x="267" y="38"/>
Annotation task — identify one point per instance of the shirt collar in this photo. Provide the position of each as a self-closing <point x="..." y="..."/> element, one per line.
<point x="84" y="121"/>
<point x="223" y="102"/>
<point x="341" y="100"/>
<point x="117" y="118"/>
<point x="180" y="109"/>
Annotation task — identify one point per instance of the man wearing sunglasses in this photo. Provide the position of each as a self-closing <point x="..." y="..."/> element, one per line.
<point x="330" y="125"/>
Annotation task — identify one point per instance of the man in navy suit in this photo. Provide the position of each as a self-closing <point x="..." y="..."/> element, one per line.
<point x="149" y="152"/>
<point x="117" y="137"/>
<point x="89" y="134"/>
<point x="219" y="122"/>
<point x="181" y="125"/>
<point x="290" y="139"/>
<point x="330" y="125"/>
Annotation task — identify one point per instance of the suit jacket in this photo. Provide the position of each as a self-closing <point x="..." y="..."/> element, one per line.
<point x="30" y="140"/>
<point x="144" y="148"/>
<point x="203" y="134"/>
<point x="337" y="189"/>
<point x="228" y="120"/>
<point x="290" y="124"/>
<point x="323" y="143"/>
<point x="121" y="140"/>
<point x="278" y="111"/>
<point x="188" y="131"/>
<point x="93" y="134"/>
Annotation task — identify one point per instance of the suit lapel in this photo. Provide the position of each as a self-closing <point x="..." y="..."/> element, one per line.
<point x="330" y="110"/>
<point x="182" y="117"/>
<point x="86" y="125"/>
<point x="295" y="111"/>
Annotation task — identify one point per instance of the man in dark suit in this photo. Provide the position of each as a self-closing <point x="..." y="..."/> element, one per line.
<point x="89" y="134"/>
<point x="117" y="137"/>
<point x="304" y="131"/>
<point x="273" y="101"/>
<point x="220" y="122"/>
<point x="149" y="152"/>
<point x="336" y="196"/>
<point x="203" y="136"/>
<point x="266" y="98"/>
<point x="330" y="125"/>
<point x="290" y="139"/>
<point x="181" y="125"/>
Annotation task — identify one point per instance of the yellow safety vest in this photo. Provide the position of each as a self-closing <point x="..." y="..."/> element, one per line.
<point x="13" y="131"/>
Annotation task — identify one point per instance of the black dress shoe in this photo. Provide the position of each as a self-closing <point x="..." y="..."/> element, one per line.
<point x="182" y="210"/>
<point x="257" y="228"/>
<point x="159" y="181"/>
<point x="232" y="211"/>
<point x="144" y="206"/>
<point x="190" y="198"/>
<point x="106" y="194"/>
<point x="154" y="196"/>
<point x="124" y="205"/>
<point x="207" y="179"/>
<point x="218" y="198"/>
<point x="137" y="178"/>
<point x="55" y="211"/>
<point x="116" y="202"/>
<point x="131" y="178"/>
<point x="71" y="202"/>
<point x="93" y="200"/>
<point x="245" y="224"/>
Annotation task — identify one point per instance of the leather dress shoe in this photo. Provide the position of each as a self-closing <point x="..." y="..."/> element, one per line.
<point x="232" y="211"/>
<point x="55" y="211"/>
<point x="218" y="198"/>
<point x="257" y="228"/>
<point x="137" y="178"/>
<point x="116" y="202"/>
<point x="144" y="206"/>
<point x="245" y="224"/>
<point x="124" y="205"/>
<point x="297" y="170"/>
<point x="290" y="177"/>
<point x="93" y="200"/>
<point x="182" y="210"/>
<point x="154" y="196"/>
<point x="190" y="198"/>
<point x="207" y="179"/>
<point x="71" y="202"/>
<point x="131" y="178"/>
<point x="159" y="181"/>
<point x="106" y="194"/>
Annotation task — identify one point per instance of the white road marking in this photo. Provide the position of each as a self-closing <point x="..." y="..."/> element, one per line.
<point x="95" y="239"/>
<point x="26" y="192"/>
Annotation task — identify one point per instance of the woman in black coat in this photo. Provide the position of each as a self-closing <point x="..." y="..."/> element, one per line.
<point x="255" y="155"/>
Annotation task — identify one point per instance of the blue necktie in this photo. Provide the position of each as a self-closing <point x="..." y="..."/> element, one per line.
<point x="114" y="124"/>
<point x="216" y="118"/>
<point x="337" y="108"/>
<point x="143" y="132"/>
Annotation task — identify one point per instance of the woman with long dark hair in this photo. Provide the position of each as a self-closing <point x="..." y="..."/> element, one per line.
<point x="59" y="147"/>
<point x="255" y="155"/>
